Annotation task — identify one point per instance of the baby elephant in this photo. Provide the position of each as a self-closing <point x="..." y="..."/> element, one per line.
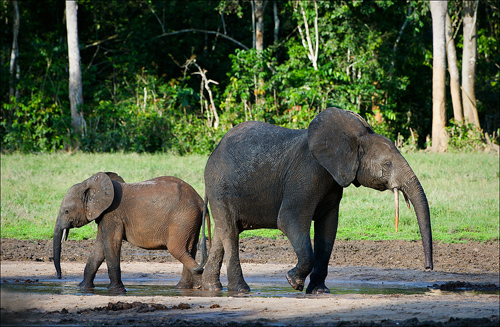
<point x="157" y="214"/>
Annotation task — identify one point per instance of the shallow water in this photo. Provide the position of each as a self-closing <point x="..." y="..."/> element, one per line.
<point x="262" y="290"/>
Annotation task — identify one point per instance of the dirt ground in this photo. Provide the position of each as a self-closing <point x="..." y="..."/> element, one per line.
<point x="382" y="264"/>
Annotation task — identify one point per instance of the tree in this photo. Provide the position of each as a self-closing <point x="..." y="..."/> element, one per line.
<point x="469" y="62"/>
<point x="451" y="54"/>
<point x="258" y="12"/>
<point x="259" y="6"/>
<point x="439" y="135"/>
<point x="75" y="75"/>
<point x="14" y="55"/>
<point x="307" y="43"/>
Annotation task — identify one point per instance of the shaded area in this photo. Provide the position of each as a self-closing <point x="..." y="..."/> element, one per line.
<point x="466" y="286"/>
<point x="148" y="314"/>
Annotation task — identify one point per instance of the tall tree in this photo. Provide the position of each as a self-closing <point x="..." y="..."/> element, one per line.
<point x="14" y="54"/>
<point x="75" y="75"/>
<point x="259" y="6"/>
<point x="258" y="11"/>
<point x="451" y="54"/>
<point x="276" y="21"/>
<point x="469" y="62"/>
<point x="307" y="42"/>
<point x="439" y="135"/>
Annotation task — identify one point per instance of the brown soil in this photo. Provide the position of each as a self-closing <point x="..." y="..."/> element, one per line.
<point x="264" y="261"/>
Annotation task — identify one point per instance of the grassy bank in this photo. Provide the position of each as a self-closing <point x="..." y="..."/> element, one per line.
<point x="462" y="189"/>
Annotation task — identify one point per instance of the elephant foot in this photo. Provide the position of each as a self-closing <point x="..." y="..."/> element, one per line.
<point x="211" y="286"/>
<point x="86" y="286"/>
<point x="241" y="287"/>
<point x="317" y="289"/>
<point x="210" y="282"/>
<point x="296" y="282"/>
<point x="183" y="286"/>
<point x="117" y="288"/>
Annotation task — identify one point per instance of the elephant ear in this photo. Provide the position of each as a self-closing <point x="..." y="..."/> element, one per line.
<point x="99" y="195"/>
<point x="334" y="141"/>
<point x="115" y="177"/>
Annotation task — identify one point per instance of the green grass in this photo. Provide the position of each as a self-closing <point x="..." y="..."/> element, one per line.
<point x="462" y="189"/>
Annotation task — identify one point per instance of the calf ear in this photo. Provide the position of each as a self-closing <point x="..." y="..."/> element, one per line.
<point x="115" y="177"/>
<point x="99" y="195"/>
<point x="333" y="138"/>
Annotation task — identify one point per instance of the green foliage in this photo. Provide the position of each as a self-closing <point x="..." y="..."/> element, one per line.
<point x="37" y="126"/>
<point x="464" y="137"/>
<point x="140" y="97"/>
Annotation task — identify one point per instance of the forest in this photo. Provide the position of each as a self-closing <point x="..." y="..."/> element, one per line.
<point x="175" y="76"/>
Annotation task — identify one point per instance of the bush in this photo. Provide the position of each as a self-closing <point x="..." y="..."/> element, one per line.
<point x="465" y="137"/>
<point x="38" y="125"/>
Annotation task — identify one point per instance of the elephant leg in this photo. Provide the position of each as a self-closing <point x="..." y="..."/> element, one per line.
<point x="94" y="261"/>
<point x="297" y="231"/>
<point x="112" y="240"/>
<point x="186" y="281"/>
<point x="211" y="273"/>
<point x="190" y="278"/>
<point x="236" y="282"/>
<point x="325" y="231"/>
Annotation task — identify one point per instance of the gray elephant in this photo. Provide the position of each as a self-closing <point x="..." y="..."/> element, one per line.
<point x="264" y="176"/>
<point x="158" y="214"/>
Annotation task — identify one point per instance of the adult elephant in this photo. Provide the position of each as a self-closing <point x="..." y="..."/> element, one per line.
<point x="158" y="214"/>
<point x="264" y="176"/>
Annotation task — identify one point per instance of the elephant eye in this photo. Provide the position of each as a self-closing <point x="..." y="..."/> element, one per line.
<point x="387" y="164"/>
<point x="66" y="211"/>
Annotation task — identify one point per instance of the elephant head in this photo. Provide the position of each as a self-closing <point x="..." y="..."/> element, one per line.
<point x="83" y="203"/>
<point x="345" y="145"/>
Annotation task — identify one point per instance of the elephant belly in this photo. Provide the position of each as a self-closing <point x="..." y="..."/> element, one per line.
<point x="246" y="209"/>
<point x="148" y="244"/>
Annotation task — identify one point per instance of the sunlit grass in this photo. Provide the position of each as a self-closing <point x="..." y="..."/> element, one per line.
<point x="462" y="189"/>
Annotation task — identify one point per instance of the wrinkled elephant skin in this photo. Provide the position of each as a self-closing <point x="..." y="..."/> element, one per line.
<point x="158" y="214"/>
<point x="265" y="176"/>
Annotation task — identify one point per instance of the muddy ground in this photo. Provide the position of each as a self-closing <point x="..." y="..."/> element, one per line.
<point x="264" y="263"/>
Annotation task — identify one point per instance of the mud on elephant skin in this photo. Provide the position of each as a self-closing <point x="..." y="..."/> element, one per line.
<point x="265" y="176"/>
<point x="157" y="214"/>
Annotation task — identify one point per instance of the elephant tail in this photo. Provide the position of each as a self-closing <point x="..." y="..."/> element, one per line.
<point x="203" y="245"/>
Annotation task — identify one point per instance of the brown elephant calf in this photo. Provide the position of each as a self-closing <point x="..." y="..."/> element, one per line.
<point x="157" y="214"/>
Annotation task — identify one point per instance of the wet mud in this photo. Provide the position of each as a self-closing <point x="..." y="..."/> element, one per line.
<point x="373" y="284"/>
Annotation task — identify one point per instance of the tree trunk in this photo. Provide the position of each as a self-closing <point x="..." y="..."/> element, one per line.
<point x="276" y="21"/>
<point x="469" y="63"/>
<point x="312" y="51"/>
<point x="75" y="76"/>
<point x="453" y="70"/>
<point x="259" y="7"/>
<point x="439" y="135"/>
<point x="14" y="55"/>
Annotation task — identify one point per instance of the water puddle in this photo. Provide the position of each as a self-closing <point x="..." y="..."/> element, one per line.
<point x="70" y="288"/>
<point x="258" y="290"/>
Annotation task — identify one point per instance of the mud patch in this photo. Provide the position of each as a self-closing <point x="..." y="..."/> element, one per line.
<point x="465" y="286"/>
<point x="27" y="264"/>
<point x="139" y="307"/>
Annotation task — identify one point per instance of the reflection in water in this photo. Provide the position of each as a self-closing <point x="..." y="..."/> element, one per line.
<point x="270" y="289"/>
<point x="259" y="290"/>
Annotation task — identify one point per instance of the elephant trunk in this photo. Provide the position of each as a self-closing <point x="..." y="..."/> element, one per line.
<point x="415" y="193"/>
<point x="60" y="234"/>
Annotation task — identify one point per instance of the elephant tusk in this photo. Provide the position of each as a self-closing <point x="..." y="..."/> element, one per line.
<point x="396" y="204"/>
<point x="65" y="235"/>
